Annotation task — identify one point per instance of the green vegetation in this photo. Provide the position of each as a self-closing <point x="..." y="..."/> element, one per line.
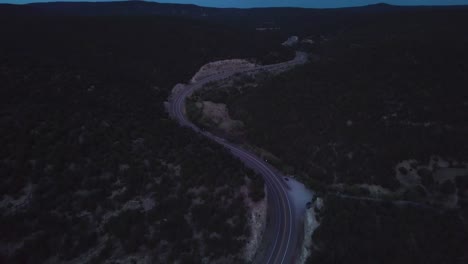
<point x="379" y="232"/>
<point x="381" y="93"/>
<point x="93" y="170"/>
<point x="373" y="95"/>
<point x="90" y="162"/>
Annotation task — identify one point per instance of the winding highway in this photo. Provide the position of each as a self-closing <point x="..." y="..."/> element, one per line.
<point x="282" y="246"/>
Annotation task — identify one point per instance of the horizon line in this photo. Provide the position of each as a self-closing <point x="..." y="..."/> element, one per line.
<point x="237" y="7"/>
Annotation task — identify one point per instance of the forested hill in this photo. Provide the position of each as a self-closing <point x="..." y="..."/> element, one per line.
<point x="380" y="115"/>
<point x="387" y="78"/>
<point x="91" y="167"/>
<point x="287" y="20"/>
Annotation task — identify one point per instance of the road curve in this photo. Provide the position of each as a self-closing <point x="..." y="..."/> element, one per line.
<point x="282" y="247"/>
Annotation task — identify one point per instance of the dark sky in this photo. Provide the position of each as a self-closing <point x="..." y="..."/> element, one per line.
<point x="297" y="3"/>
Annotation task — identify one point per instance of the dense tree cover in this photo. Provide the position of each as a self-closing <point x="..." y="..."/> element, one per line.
<point x="374" y="95"/>
<point x="374" y="232"/>
<point x="90" y="162"/>
<point x="286" y="21"/>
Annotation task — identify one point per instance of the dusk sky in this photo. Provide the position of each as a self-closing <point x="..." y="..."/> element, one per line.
<point x="295" y="3"/>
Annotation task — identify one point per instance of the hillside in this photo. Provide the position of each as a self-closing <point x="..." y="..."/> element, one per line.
<point x="287" y="21"/>
<point x="92" y="168"/>
<point x="376" y="123"/>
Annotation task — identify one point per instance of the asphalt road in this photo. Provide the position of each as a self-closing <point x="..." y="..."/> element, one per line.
<point x="283" y="245"/>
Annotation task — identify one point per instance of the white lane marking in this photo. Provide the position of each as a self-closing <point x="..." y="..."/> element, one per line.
<point x="254" y="159"/>
<point x="272" y="176"/>
<point x="275" y="178"/>
<point x="272" y="185"/>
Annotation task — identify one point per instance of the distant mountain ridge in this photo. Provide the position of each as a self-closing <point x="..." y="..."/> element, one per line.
<point x="287" y="20"/>
<point x="117" y="8"/>
<point x="167" y="9"/>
